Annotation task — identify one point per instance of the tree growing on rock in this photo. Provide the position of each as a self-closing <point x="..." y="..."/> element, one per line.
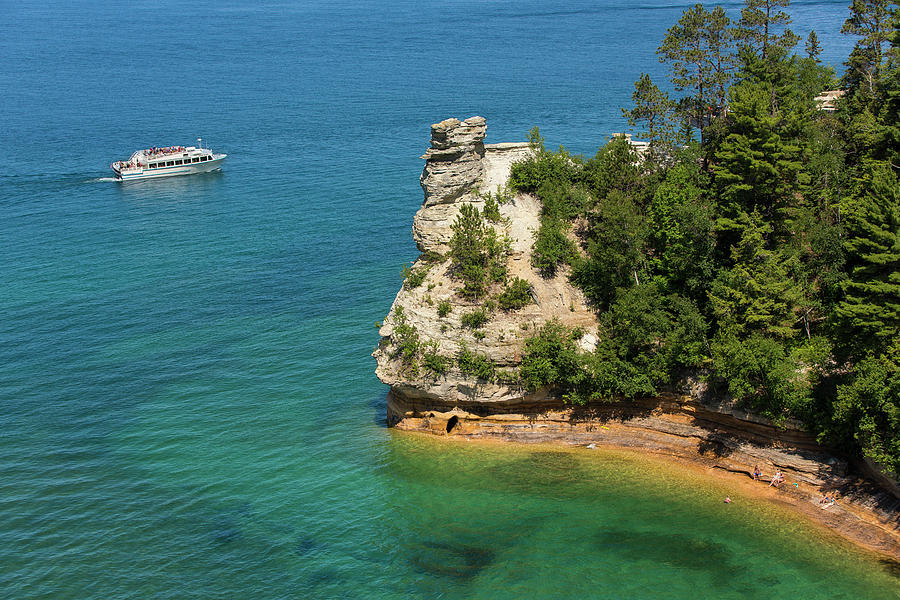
<point x="477" y="252"/>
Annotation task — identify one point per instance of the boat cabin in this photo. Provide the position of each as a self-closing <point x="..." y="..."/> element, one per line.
<point x="187" y="160"/>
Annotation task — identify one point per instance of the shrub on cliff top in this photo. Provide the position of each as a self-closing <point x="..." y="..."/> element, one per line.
<point x="491" y="209"/>
<point x="475" y="319"/>
<point x="413" y="277"/>
<point x="542" y="166"/>
<point x="551" y="248"/>
<point x="432" y="361"/>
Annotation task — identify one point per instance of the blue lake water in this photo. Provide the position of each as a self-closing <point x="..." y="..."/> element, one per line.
<point x="188" y="402"/>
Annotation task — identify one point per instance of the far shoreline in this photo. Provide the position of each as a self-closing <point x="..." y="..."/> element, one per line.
<point x="846" y="519"/>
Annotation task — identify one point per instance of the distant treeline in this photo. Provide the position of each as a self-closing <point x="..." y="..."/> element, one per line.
<point x="753" y="240"/>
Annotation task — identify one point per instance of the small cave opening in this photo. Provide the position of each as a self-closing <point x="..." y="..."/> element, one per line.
<point x="452" y="422"/>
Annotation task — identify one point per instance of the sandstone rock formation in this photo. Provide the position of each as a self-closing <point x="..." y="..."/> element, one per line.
<point x="454" y="167"/>
<point x="458" y="164"/>
<point x="687" y="423"/>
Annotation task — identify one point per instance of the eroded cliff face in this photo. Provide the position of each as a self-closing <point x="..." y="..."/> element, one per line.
<point x="454" y="168"/>
<point x="459" y="166"/>
<point x="690" y="423"/>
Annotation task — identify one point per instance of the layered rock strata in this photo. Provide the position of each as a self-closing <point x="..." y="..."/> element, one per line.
<point x="454" y="166"/>
<point x="690" y="424"/>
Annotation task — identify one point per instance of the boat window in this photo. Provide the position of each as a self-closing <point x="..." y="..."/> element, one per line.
<point x="152" y="165"/>
<point x="203" y="158"/>
<point x="195" y="159"/>
<point x="170" y="163"/>
<point x="177" y="162"/>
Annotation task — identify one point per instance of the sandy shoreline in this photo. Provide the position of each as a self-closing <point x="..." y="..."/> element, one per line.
<point x="847" y="518"/>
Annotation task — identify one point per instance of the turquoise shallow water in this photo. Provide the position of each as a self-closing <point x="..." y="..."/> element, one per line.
<point x="188" y="403"/>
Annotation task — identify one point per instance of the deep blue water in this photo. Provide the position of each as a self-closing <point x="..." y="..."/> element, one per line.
<point x="188" y="402"/>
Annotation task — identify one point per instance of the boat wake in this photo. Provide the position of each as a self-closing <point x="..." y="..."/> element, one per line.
<point x="103" y="179"/>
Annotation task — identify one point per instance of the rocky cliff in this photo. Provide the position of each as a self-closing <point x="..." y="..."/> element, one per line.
<point x="460" y="169"/>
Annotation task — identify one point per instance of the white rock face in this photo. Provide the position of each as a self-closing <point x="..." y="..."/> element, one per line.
<point x="457" y="165"/>
<point x="454" y="168"/>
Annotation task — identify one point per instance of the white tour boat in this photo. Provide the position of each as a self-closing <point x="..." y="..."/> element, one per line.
<point x="165" y="162"/>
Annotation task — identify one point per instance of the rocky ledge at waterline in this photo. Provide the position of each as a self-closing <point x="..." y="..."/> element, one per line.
<point x="432" y="391"/>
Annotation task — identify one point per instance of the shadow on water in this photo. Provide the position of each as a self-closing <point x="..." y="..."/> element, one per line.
<point x="378" y="405"/>
<point x="183" y="188"/>
<point x="675" y="550"/>
<point x="306" y="546"/>
<point x="325" y="576"/>
<point x="225" y="530"/>
<point x="544" y="473"/>
<point x="455" y="560"/>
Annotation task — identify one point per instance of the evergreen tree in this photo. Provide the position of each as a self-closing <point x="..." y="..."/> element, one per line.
<point x="759" y="164"/>
<point x="682" y="223"/>
<point x="698" y="50"/>
<point x="870" y="310"/>
<point x="762" y="30"/>
<point x="888" y="146"/>
<point x="616" y="166"/>
<point x="813" y="47"/>
<point x="653" y="109"/>
<point x="870" y="20"/>
<point x="758" y="293"/>
<point x="478" y="254"/>
<point x="764" y="43"/>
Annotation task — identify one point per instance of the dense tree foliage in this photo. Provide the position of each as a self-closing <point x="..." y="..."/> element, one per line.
<point x="763" y="253"/>
<point x="477" y="251"/>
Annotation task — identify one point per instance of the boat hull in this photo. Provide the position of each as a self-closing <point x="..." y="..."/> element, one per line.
<point x="145" y="173"/>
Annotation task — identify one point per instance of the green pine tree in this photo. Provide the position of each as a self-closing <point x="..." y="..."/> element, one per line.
<point x="870" y="310"/>
<point x="699" y="51"/>
<point x="870" y="21"/>
<point x="759" y="165"/>
<point x="653" y="110"/>
<point x="758" y="293"/>
<point x="813" y="47"/>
